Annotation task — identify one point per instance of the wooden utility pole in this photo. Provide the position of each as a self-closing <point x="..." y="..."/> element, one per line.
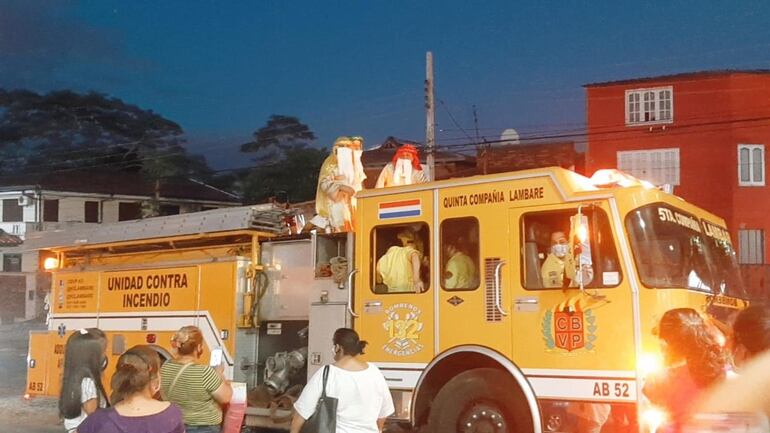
<point x="430" y="132"/>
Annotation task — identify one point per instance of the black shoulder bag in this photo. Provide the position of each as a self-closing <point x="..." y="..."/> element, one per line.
<point x="324" y="419"/>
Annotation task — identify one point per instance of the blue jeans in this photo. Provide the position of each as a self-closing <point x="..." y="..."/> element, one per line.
<point x="202" y="428"/>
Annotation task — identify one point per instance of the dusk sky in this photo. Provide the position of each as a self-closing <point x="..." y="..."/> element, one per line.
<point x="220" y="69"/>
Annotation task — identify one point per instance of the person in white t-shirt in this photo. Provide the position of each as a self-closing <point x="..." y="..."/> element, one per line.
<point x="82" y="391"/>
<point x="363" y="397"/>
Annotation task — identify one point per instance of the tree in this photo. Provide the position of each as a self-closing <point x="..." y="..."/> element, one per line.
<point x="64" y="130"/>
<point x="280" y="133"/>
<point x="286" y="163"/>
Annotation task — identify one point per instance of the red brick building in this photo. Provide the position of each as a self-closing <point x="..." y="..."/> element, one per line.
<point x="702" y="132"/>
<point x="514" y="157"/>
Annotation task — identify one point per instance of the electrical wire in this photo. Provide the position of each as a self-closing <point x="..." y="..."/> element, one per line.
<point x="593" y="134"/>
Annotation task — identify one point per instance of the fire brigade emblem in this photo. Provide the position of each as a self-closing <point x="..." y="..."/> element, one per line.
<point x="569" y="327"/>
<point x="404" y="327"/>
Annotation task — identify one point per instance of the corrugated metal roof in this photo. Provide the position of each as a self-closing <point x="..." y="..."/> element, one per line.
<point x="680" y="76"/>
<point x="9" y="240"/>
<point x="383" y="154"/>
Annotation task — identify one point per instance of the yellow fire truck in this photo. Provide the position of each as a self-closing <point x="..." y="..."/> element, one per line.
<point x="251" y="291"/>
<point x="476" y="321"/>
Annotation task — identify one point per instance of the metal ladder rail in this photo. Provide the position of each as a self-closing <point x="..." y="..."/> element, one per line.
<point x="262" y="217"/>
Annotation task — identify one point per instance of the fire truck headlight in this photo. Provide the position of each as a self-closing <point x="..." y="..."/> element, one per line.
<point x="50" y="263"/>
<point x="650" y="363"/>
<point x="653" y="418"/>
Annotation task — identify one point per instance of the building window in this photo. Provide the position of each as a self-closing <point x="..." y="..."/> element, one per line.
<point x="11" y="262"/>
<point x="751" y="247"/>
<point x="129" y="211"/>
<point x="12" y="212"/>
<point x="92" y="212"/>
<point x="50" y="210"/>
<point x="659" y="166"/>
<point x="751" y="164"/>
<point x="645" y="106"/>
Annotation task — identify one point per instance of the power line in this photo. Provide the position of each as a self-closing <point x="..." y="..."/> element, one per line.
<point x="679" y="119"/>
<point x="616" y="134"/>
<point x="391" y="112"/>
<point x="593" y="137"/>
<point x="441" y="101"/>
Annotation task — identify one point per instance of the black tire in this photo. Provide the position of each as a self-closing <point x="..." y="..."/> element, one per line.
<point x="490" y="394"/>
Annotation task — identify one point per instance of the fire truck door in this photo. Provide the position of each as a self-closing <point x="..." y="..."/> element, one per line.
<point x="529" y="244"/>
<point x="474" y="296"/>
<point x="556" y="325"/>
<point x="392" y="313"/>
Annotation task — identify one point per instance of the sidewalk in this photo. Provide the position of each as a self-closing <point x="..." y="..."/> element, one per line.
<point x="17" y="415"/>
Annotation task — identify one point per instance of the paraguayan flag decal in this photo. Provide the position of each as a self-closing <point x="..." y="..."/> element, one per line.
<point x="400" y="209"/>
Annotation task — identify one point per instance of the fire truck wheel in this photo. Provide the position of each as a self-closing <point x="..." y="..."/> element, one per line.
<point x="477" y="401"/>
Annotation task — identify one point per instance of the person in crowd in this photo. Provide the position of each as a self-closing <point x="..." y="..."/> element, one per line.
<point x="198" y="389"/>
<point x="459" y="271"/>
<point x="364" y="400"/>
<point x="558" y="269"/>
<point x="404" y="169"/>
<point x="749" y="391"/>
<point x="336" y="187"/>
<point x="751" y="334"/>
<point x="694" y="360"/>
<point x="399" y="267"/>
<point x="134" y="385"/>
<point x="82" y="391"/>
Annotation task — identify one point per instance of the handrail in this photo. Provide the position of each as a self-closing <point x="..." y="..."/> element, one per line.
<point x="350" y="292"/>
<point x="497" y="288"/>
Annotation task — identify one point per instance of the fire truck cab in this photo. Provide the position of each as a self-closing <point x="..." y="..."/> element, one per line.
<point x="489" y="329"/>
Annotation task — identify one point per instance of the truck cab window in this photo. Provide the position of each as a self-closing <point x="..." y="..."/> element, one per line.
<point x="674" y="249"/>
<point x="554" y="255"/>
<point x="460" y="254"/>
<point x="401" y="258"/>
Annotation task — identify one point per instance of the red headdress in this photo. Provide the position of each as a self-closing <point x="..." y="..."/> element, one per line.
<point x="407" y="150"/>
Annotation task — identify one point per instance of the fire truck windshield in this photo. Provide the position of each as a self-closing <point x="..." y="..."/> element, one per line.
<point x="674" y="249"/>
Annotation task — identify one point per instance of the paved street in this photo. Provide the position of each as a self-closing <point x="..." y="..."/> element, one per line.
<point x="16" y="414"/>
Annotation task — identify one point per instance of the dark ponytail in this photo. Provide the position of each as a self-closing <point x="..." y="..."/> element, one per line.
<point x="689" y="337"/>
<point x="349" y="341"/>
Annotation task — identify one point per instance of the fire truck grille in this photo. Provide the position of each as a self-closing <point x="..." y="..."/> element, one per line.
<point x="490" y="309"/>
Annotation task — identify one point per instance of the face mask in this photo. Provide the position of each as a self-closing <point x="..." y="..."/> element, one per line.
<point x="402" y="173"/>
<point x="105" y="362"/>
<point x="560" y="250"/>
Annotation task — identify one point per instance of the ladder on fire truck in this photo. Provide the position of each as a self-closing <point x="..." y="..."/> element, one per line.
<point x="265" y="218"/>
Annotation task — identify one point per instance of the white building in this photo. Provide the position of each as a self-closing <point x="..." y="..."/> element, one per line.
<point x="80" y="199"/>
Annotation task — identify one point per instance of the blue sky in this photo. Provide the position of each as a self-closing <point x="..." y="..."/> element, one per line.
<point x="221" y="68"/>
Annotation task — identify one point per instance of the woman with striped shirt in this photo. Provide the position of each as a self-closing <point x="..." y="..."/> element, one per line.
<point x="199" y="390"/>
